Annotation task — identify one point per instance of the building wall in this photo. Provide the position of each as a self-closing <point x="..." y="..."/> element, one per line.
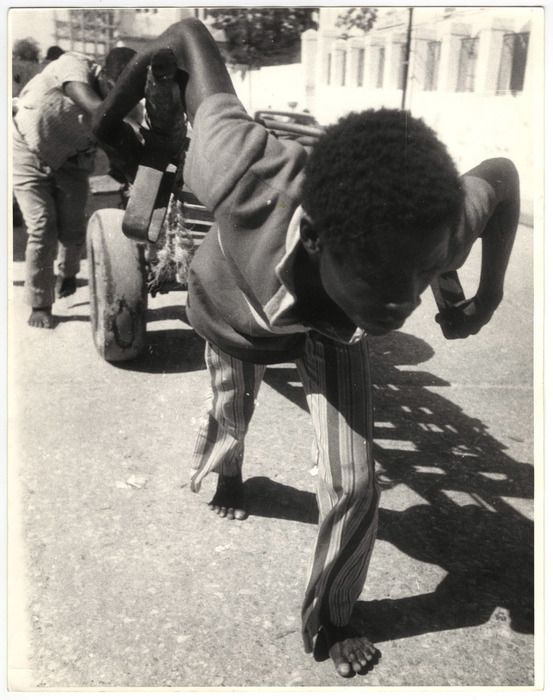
<point x="138" y="25"/>
<point x="37" y="24"/>
<point x="92" y="32"/>
<point x="275" y="87"/>
<point x="134" y="26"/>
<point x="475" y="123"/>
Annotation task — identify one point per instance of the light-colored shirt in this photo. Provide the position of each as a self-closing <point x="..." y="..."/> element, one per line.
<point x="51" y="124"/>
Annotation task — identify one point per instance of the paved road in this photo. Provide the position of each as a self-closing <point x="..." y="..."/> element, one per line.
<point x="140" y="585"/>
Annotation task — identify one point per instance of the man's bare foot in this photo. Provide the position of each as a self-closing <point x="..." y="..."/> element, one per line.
<point x="351" y="651"/>
<point x="228" y="500"/>
<point x="65" y="286"/>
<point x="41" y="318"/>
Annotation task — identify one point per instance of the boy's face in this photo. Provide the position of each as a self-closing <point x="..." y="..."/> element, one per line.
<point x="379" y="296"/>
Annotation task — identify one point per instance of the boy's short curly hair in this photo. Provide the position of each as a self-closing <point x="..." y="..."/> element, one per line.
<point x="378" y="171"/>
<point x="116" y="61"/>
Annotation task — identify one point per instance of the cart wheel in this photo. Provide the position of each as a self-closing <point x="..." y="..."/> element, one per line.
<point x="117" y="281"/>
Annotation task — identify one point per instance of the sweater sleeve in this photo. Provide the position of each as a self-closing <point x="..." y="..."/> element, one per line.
<point x="232" y="157"/>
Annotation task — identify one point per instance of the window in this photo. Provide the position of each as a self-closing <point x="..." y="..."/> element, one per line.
<point x="328" y="68"/>
<point x="513" y="63"/>
<point x="359" y="66"/>
<point x="341" y="66"/>
<point x="91" y="32"/>
<point x="467" y="65"/>
<point x="402" y="68"/>
<point x="380" y="67"/>
<point x="432" y="64"/>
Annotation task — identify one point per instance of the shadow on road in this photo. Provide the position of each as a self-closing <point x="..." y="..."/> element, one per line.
<point x="449" y="459"/>
<point x="269" y="499"/>
<point x="489" y="563"/>
<point x="170" y="351"/>
<point x="287" y="382"/>
<point x="177" y="312"/>
<point x="19" y="238"/>
<point x="72" y="317"/>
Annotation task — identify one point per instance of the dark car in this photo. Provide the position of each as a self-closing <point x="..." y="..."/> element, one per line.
<point x="303" y="118"/>
<point x="273" y="119"/>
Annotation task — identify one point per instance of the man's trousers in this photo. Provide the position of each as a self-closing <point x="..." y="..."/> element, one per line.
<point x="336" y="381"/>
<point x="53" y="204"/>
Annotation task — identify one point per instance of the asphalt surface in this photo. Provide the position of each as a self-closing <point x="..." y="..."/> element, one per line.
<point x="121" y="577"/>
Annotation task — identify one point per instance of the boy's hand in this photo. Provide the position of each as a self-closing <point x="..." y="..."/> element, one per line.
<point x="466" y="318"/>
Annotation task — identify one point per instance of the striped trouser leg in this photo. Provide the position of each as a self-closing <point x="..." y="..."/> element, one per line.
<point x="220" y="442"/>
<point x="337" y="383"/>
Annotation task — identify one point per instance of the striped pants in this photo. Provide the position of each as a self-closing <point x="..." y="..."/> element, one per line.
<point x="336" y="381"/>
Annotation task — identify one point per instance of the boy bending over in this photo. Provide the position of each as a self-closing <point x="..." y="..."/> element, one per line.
<point x="53" y="156"/>
<point x="312" y="254"/>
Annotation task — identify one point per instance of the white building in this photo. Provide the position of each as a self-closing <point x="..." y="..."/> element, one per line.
<point x="37" y="24"/>
<point x="94" y="31"/>
<point x="139" y="25"/>
<point x="474" y="74"/>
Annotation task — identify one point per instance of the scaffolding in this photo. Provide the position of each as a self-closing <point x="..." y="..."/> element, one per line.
<point x="91" y="32"/>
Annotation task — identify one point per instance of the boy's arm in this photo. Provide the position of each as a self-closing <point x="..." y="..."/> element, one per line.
<point x="83" y="95"/>
<point x="497" y="242"/>
<point x="202" y="73"/>
<point x="499" y="235"/>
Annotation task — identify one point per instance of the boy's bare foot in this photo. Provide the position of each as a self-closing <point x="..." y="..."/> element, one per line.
<point x="65" y="286"/>
<point x="351" y="651"/>
<point x="41" y="318"/>
<point x="228" y="500"/>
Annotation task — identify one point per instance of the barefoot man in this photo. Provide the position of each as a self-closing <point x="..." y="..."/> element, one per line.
<point x="53" y="156"/>
<point x="313" y="253"/>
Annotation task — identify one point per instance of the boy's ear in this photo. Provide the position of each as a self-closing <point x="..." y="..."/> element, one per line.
<point x="309" y="237"/>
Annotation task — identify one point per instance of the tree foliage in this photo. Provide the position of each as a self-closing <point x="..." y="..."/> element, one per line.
<point x="26" y="50"/>
<point x="361" y="18"/>
<point x="256" y="37"/>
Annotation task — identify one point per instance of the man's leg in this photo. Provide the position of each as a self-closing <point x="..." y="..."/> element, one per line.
<point x="337" y="382"/>
<point x="220" y="442"/>
<point x="34" y="190"/>
<point x="71" y="197"/>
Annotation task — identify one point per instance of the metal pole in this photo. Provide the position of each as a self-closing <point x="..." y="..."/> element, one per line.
<point x="407" y="58"/>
